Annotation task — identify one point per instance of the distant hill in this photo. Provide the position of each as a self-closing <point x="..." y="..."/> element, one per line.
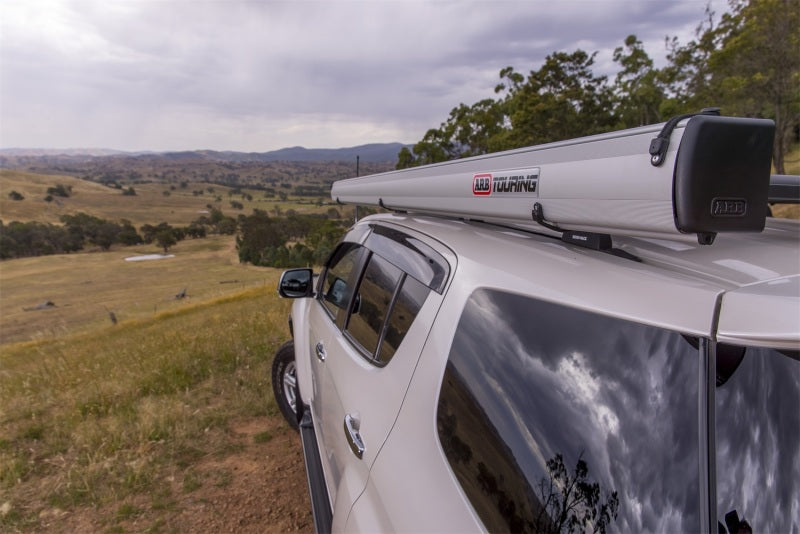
<point x="39" y="152"/>
<point x="374" y="153"/>
<point x="370" y="153"/>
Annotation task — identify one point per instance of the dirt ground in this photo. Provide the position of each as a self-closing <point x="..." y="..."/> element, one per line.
<point x="260" y="487"/>
<point x="267" y="491"/>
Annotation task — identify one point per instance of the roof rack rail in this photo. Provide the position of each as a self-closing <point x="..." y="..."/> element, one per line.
<point x="712" y="175"/>
<point x="784" y="189"/>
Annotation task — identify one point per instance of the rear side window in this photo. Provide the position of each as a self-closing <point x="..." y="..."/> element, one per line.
<point x="373" y="302"/>
<point x="555" y="419"/>
<point x="386" y="303"/>
<point x="408" y="303"/>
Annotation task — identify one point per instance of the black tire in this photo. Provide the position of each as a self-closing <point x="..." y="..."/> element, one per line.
<point x="284" y="382"/>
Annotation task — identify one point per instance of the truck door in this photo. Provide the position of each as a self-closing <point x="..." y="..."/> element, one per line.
<point x="368" y="327"/>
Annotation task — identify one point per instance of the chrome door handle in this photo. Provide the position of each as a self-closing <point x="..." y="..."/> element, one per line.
<point x="320" y="350"/>
<point x="353" y="437"/>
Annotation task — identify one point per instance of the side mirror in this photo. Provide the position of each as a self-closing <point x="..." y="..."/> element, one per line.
<point x="296" y="283"/>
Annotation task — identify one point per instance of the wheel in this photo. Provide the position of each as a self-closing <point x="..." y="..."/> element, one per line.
<point x="284" y="382"/>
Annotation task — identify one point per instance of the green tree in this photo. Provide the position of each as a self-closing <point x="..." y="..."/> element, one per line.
<point x="564" y="99"/>
<point x="638" y="88"/>
<point x="748" y="64"/>
<point x="60" y="190"/>
<point x="165" y="239"/>
<point x="687" y="76"/>
<point x="259" y="236"/>
<point x="757" y="67"/>
<point x="105" y="234"/>
<point x="128" y="235"/>
<point x="150" y="233"/>
<point x="468" y="131"/>
<point x="405" y="158"/>
<point x="87" y="227"/>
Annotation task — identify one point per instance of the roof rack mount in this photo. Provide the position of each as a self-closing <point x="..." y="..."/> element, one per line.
<point x="713" y="177"/>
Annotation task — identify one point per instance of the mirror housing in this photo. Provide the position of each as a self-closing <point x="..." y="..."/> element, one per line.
<point x="296" y="283"/>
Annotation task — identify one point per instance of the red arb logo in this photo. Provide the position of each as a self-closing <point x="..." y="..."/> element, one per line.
<point x="482" y="184"/>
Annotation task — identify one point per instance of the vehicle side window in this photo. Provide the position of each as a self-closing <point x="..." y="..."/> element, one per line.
<point x="408" y="303"/>
<point x="555" y="419"/>
<point x="758" y="439"/>
<point x="375" y="295"/>
<point x="338" y="278"/>
<point x="374" y="300"/>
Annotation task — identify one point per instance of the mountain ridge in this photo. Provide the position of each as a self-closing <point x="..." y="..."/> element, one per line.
<point x="372" y="152"/>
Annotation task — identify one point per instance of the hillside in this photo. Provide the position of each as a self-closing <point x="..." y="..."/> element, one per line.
<point x="293" y="167"/>
<point x="183" y="169"/>
<point x="84" y="288"/>
<point x="159" y="419"/>
<point x="164" y="423"/>
<point x="154" y="202"/>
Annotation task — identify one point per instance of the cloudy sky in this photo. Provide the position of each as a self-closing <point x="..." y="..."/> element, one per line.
<point x="262" y="75"/>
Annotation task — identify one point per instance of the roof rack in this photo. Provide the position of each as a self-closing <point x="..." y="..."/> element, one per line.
<point x="784" y="189"/>
<point x="700" y="175"/>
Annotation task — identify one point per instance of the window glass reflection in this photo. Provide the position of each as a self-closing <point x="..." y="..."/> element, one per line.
<point x="410" y="300"/>
<point x="335" y="290"/>
<point x="758" y="441"/>
<point x="553" y="419"/>
<point x="372" y="303"/>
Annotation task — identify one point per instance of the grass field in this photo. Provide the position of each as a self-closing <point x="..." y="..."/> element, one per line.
<point x="115" y="418"/>
<point x="85" y="287"/>
<point x="114" y="421"/>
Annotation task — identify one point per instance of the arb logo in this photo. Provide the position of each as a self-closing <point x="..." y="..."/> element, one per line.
<point x="482" y="184"/>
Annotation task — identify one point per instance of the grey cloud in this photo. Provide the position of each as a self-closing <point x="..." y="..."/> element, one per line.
<point x="400" y="66"/>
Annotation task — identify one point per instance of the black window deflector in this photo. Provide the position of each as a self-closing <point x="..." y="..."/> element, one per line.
<point x="412" y="256"/>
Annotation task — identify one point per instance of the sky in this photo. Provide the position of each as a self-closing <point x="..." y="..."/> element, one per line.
<point x="255" y="76"/>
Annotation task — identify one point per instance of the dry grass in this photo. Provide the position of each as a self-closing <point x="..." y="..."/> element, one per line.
<point x="111" y="416"/>
<point x="150" y="205"/>
<point x="112" y="424"/>
<point x="85" y="287"/>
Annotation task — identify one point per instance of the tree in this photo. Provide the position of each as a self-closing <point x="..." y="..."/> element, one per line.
<point x="748" y="64"/>
<point x="564" y="99"/>
<point x="195" y="230"/>
<point x="87" y="227"/>
<point x="60" y="190"/>
<point x="259" y="233"/>
<point x="105" y="234"/>
<point x="468" y="131"/>
<point x="687" y="76"/>
<point x="405" y="158"/>
<point x="165" y="239"/>
<point x="638" y="89"/>
<point x="128" y="235"/>
<point x="757" y="68"/>
<point x="14" y="195"/>
<point x="573" y="503"/>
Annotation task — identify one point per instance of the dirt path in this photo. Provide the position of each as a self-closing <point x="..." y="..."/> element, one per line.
<point x="266" y="491"/>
